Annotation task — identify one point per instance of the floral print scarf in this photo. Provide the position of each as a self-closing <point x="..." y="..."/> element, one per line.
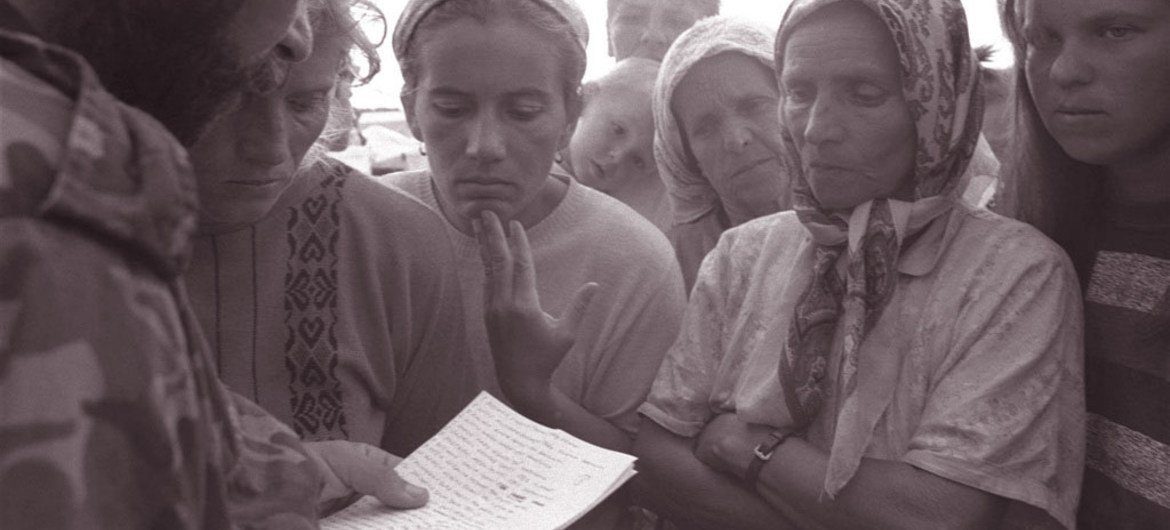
<point x="940" y="83"/>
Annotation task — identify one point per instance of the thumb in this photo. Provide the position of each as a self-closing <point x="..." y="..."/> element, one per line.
<point x="582" y="299"/>
<point x="368" y="470"/>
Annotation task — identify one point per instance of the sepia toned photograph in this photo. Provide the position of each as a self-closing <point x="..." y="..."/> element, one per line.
<point x="584" y="264"/>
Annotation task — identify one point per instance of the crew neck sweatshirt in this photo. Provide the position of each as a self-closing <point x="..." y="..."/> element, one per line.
<point x="634" y="316"/>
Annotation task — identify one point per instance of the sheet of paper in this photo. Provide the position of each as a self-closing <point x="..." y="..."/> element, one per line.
<point x="490" y="467"/>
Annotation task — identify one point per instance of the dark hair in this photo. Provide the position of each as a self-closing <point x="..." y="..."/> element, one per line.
<point x="555" y="29"/>
<point x="169" y="59"/>
<point x="1042" y="184"/>
<point x="345" y="18"/>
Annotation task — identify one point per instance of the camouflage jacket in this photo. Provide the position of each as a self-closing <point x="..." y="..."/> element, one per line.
<point x="111" y="415"/>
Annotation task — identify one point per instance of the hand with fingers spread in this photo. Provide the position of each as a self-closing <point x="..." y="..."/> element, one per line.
<point x="356" y="468"/>
<point x="527" y="343"/>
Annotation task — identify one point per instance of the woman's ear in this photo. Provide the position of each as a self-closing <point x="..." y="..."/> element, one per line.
<point x="407" y="99"/>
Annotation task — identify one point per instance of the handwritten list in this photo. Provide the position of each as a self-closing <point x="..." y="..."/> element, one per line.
<point x="490" y="467"/>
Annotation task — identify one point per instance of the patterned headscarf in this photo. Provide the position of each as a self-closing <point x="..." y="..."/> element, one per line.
<point x="940" y="83"/>
<point x="692" y="198"/>
<point x="417" y="10"/>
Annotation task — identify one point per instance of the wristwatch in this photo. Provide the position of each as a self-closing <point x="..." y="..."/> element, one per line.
<point x="763" y="453"/>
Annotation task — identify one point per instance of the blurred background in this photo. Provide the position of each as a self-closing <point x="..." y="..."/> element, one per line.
<point x="389" y="147"/>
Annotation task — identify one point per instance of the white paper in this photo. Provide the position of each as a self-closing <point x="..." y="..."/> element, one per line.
<point x="490" y="467"/>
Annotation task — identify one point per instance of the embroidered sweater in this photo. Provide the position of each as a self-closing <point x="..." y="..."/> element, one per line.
<point x="338" y="312"/>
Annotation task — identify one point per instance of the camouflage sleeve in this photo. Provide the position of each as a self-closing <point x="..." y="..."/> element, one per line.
<point x="101" y="416"/>
<point x="275" y="483"/>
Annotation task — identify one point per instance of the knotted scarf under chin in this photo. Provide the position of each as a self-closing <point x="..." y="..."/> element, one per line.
<point x="940" y="84"/>
<point x="871" y="241"/>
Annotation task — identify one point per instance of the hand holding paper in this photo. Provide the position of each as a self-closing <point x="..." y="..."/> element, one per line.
<point x="351" y="467"/>
<point x="493" y="468"/>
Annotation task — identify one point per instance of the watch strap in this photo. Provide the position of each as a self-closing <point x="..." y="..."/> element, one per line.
<point x="763" y="453"/>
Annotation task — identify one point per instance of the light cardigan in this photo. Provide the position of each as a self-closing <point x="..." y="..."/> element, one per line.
<point x="634" y="316"/>
<point x="982" y="337"/>
<point x="338" y="312"/>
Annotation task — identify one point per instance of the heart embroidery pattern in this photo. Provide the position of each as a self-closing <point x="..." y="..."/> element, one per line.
<point x="313" y="232"/>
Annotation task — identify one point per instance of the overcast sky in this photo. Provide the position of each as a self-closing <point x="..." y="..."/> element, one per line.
<point x="383" y="90"/>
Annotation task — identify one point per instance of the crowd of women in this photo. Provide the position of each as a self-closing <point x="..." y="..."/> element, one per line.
<point x="754" y="259"/>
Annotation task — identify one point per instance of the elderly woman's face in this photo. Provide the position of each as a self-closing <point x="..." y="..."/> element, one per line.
<point x="726" y="109"/>
<point x="490" y="108"/>
<point x="1099" y="73"/>
<point x="247" y="157"/>
<point x="844" y="107"/>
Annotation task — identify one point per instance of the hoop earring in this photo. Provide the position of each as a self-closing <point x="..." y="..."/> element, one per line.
<point x="422" y="149"/>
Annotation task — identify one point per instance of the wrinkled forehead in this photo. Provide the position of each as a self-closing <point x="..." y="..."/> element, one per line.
<point x="258" y="25"/>
<point x="704" y="7"/>
<point x="323" y="66"/>
<point x="724" y="72"/>
<point x="807" y="16"/>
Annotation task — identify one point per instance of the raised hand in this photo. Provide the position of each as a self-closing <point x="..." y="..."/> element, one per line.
<point x="527" y="343"/>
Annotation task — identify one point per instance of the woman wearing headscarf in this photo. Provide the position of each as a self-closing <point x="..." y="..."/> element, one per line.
<point x="492" y="90"/>
<point x="885" y="356"/>
<point x="717" y="141"/>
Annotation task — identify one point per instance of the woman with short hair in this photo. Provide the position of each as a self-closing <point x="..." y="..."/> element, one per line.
<point x="492" y="91"/>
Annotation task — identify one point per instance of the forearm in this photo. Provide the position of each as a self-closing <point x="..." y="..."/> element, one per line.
<point x="675" y="484"/>
<point x="551" y="408"/>
<point x="882" y="494"/>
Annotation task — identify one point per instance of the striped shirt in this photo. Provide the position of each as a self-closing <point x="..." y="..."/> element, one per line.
<point x="1127" y="375"/>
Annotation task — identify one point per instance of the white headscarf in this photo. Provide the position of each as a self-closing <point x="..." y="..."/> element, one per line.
<point x="698" y="213"/>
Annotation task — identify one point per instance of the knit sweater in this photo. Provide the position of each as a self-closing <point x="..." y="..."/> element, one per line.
<point x="634" y="316"/>
<point x="338" y="312"/>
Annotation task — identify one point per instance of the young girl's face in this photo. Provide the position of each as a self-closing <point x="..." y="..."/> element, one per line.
<point x="1100" y="76"/>
<point x="614" y="141"/>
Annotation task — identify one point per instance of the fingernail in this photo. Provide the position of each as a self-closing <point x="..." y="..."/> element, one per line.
<point x="415" y="491"/>
<point x="476" y="226"/>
